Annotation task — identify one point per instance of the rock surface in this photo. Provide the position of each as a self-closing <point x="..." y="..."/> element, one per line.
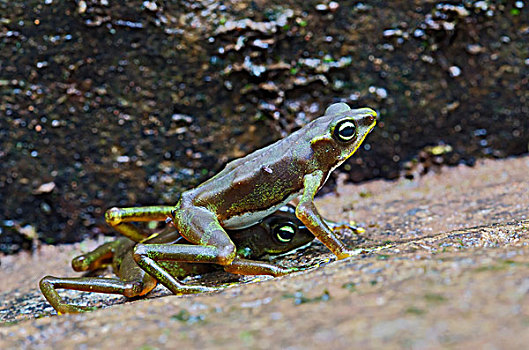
<point x="443" y="263"/>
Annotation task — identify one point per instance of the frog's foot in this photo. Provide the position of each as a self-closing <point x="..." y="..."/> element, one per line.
<point x="49" y="285"/>
<point x="347" y="254"/>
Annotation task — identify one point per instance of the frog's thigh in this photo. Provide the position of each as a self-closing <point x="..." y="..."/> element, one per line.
<point x="201" y="226"/>
<point x="148" y="255"/>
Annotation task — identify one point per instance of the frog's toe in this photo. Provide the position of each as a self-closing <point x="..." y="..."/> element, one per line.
<point x="358" y="230"/>
<point x="344" y="225"/>
<point x="344" y="254"/>
<point x="73" y="309"/>
<point x="204" y="289"/>
<point x="196" y="289"/>
<point x="281" y="271"/>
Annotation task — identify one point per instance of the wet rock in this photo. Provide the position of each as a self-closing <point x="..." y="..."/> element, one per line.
<point x="448" y="244"/>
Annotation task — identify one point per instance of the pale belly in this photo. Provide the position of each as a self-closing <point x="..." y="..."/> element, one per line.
<point x="249" y="219"/>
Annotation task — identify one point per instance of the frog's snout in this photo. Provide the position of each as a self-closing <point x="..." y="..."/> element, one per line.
<point x="369" y="119"/>
<point x="365" y="117"/>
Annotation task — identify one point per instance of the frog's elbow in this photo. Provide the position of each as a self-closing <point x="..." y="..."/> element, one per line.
<point x="303" y="210"/>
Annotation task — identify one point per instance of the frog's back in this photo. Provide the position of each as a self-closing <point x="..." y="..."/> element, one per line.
<point x="258" y="183"/>
<point x="261" y="183"/>
<point x="252" y="187"/>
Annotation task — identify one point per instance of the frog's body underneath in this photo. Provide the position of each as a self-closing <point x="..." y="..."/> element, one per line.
<point x="278" y="233"/>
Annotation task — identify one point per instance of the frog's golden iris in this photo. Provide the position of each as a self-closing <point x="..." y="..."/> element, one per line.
<point x="345" y="130"/>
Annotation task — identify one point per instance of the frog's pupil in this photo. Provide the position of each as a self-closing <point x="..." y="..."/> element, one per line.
<point x="285" y="233"/>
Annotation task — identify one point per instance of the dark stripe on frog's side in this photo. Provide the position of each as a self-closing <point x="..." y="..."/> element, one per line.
<point x="262" y="180"/>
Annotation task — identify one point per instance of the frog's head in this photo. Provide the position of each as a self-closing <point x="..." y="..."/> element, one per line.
<point x="340" y="132"/>
<point x="276" y="234"/>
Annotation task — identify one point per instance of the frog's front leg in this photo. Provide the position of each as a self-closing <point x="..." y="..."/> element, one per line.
<point x="308" y="214"/>
<point x="120" y="218"/>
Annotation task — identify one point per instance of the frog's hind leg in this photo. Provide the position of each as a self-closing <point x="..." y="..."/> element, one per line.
<point x="199" y="226"/>
<point x="120" y="219"/>
<point x="49" y="285"/>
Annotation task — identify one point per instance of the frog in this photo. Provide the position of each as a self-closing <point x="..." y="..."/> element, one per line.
<point x="247" y="190"/>
<point x="278" y="233"/>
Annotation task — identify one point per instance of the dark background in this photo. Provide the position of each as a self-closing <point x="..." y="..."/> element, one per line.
<point x="114" y="103"/>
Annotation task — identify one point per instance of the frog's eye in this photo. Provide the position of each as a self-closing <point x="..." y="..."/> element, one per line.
<point x="345" y="130"/>
<point x="284" y="233"/>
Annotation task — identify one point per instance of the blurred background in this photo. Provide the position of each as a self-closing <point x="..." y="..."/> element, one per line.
<point x="124" y="103"/>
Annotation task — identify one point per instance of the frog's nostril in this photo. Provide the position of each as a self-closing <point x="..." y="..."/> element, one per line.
<point x="370" y="119"/>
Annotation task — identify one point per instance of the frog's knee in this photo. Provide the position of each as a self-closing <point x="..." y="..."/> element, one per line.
<point x="46" y="285"/>
<point x="80" y="263"/>
<point x="45" y="282"/>
<point x="139" y="252"/>
<point x="226" y="254"/>
<point x="133" y="289"/>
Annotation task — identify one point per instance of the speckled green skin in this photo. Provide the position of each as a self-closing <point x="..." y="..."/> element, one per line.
<point x="246" y="191"/>
<point x="253" y="242"/>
